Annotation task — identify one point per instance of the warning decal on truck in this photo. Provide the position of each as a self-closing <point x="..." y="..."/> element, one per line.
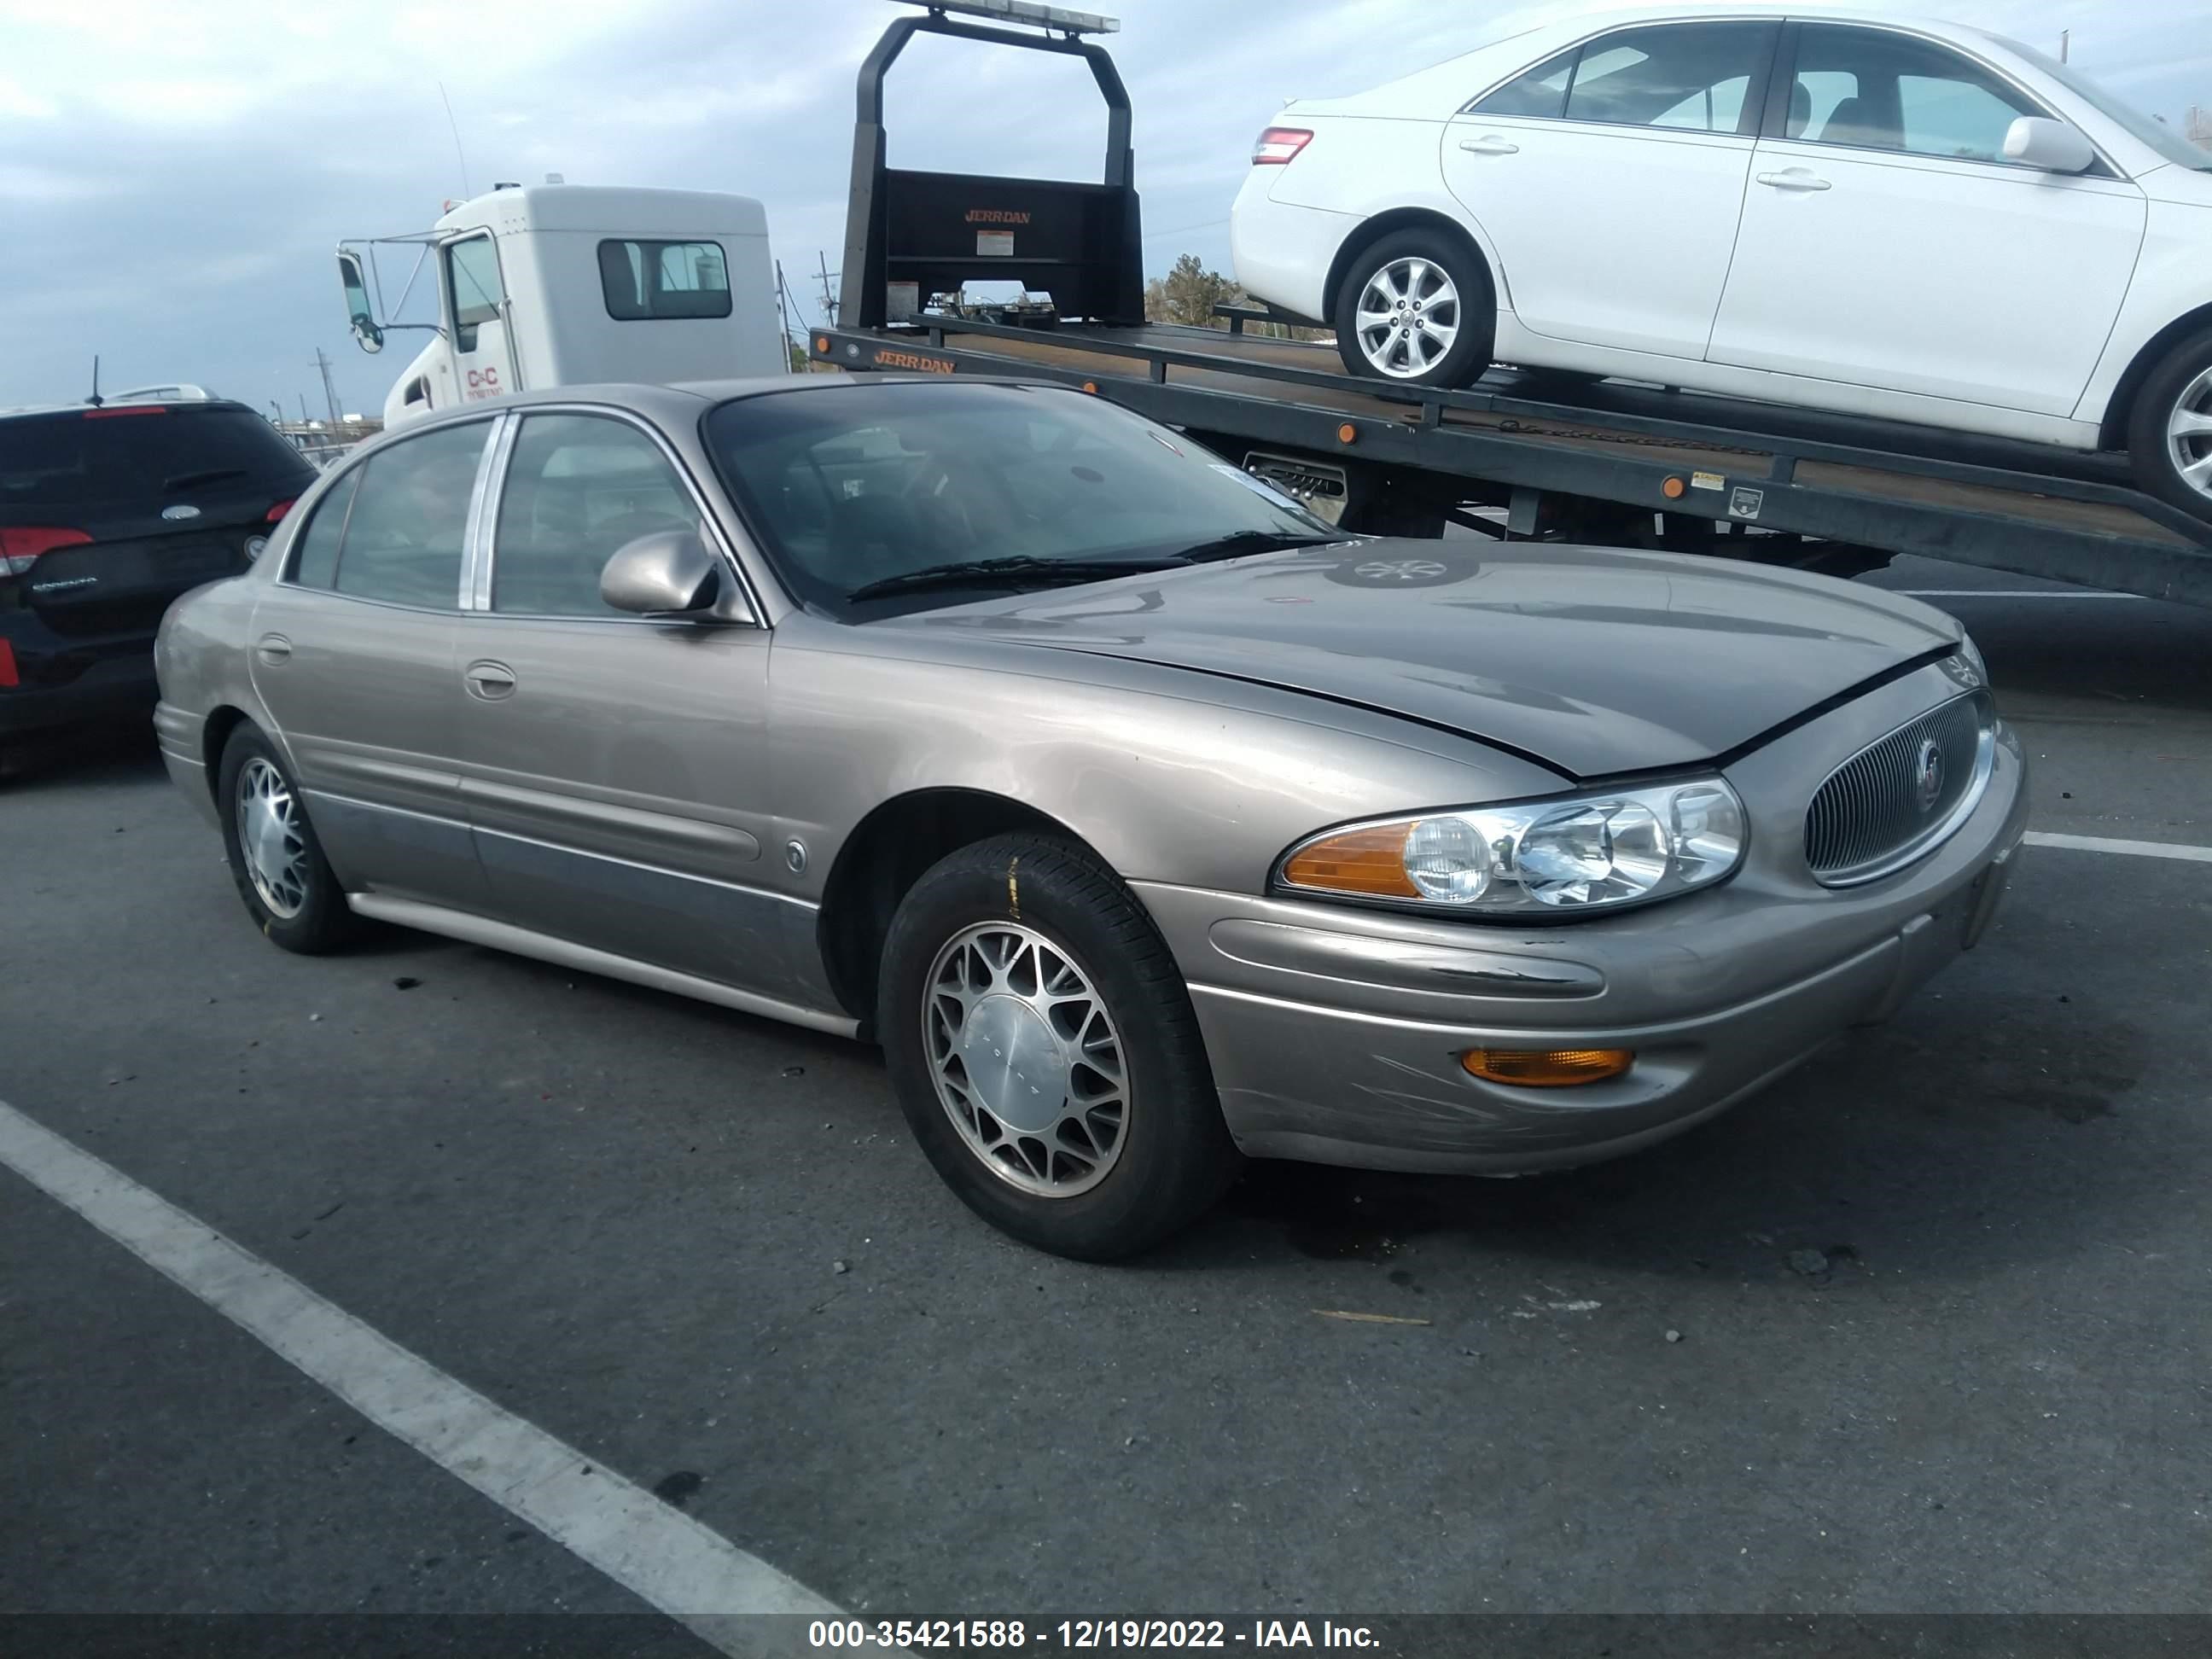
<point x="995" y="244"/>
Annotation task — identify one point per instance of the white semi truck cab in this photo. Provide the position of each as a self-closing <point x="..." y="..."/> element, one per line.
<point x="557" y="284"/>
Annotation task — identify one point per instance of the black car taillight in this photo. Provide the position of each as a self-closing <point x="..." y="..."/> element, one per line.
<point x="21" y="545"/>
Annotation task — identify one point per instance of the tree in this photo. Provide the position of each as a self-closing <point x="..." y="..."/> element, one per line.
<point x="1188" y="294"/>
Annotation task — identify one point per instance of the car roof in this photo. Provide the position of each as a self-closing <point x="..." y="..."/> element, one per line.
<point x="28" y="411"/>
<point x="679" y="403"/>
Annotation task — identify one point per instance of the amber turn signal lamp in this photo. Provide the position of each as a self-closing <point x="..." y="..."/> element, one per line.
<point x="1369" y="863"/>
<point x="1673" y="489"/>
<point x="1091" y="385"/>
<point x="1347" y="432"/>
<point x="1547" y="1068"/>
<point x="822" y="344"/>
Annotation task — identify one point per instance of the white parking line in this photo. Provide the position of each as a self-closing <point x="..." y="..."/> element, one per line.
<point x="2014" y="594"/>
<point x="2141" y="849"/>
<point x="651" y="1549"/>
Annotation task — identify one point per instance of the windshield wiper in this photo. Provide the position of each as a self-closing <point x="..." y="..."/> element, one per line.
<point x="1020" y="567"/>
<point x="213" y="475"/>
<point x="1238" y="542"/>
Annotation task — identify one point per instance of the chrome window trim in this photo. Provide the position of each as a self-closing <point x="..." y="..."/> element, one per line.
<point x="358" y="463"/>
<point x="483" y="513"/>
<point x="1912" y="852"/>
<point x="711" y="531"/>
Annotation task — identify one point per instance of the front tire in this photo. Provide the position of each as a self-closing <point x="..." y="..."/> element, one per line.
<point x="1416" y="308"/>
<point x="274" y="857"/>
<point x="1044" y="1050"/>
<point x="2170" y="429"/>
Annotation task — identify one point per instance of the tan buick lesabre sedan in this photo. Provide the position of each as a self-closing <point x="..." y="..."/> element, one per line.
<point x="1146" y="821"/>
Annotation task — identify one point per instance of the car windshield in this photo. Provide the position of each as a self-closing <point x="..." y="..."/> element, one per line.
<point x="2150" y="130"/>
<point x="856" y="486"/>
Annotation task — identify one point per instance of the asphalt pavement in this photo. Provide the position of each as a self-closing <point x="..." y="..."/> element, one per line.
<point x="1921" y="1329"/>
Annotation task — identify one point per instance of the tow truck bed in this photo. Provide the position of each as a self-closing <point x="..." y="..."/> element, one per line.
<point x="1609" y="461"/>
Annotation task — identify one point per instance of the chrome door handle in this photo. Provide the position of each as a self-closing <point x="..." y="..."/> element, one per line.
<point x="273" y="648"/>
<point x="490" y="680"/>
<point x="1794" y="178"/>
<point x="1489" y="145"/>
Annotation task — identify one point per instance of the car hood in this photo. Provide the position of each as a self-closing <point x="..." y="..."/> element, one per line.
<point x="1592" y="660"/>
<point x="2184" y="186"/>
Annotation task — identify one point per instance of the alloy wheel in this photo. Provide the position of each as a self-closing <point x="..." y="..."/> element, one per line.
<point x="1027" y="1062"/>
<point x="1408" y="317"/>
<point x="2188" y="435"/>
<point x="272" y="839"/>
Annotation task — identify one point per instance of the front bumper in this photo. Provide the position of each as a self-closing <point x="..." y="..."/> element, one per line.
<point x="1335" y="1033"/>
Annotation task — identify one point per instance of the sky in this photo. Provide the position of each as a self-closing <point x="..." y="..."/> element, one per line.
<point x="174" y="174"/>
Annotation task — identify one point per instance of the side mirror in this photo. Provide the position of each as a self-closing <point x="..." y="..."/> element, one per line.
<point x="358" y="310"/>
<point x="2053" y="146"/>
<point x="669" y="572"/>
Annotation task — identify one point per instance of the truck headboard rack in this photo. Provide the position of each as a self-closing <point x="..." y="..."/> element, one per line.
<point x="910" y="234"/>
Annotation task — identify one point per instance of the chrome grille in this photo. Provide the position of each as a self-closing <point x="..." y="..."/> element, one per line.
<point x="1901" y="797"/>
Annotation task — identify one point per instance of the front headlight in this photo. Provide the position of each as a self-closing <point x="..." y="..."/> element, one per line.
<point x="1543" y="858"/>
<point x="1972" y="654"/>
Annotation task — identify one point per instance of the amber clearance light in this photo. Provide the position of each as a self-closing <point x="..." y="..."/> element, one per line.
<point x="1547" y="1068"/>
<point x="1368" y="863"/>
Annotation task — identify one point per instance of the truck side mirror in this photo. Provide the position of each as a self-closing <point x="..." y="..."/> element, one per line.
<point x="358" y="310"/>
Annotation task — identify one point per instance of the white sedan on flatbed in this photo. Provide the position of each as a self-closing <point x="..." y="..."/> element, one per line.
<point x="1918" y="221"/>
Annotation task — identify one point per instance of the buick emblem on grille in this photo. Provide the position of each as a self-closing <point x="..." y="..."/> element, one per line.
<point x="1927" y="774"/>
<point x="182" y="510"/>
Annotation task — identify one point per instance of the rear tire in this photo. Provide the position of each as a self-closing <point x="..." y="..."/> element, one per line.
<point x="2170" y="428"/>
<point x="274" y="857"/>
<point x="1411" y="288"/>
<point x="1044" y="1050"/>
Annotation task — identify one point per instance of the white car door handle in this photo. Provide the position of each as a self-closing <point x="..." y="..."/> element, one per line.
<point x="1794" y="178"/>
<point x="1490" y="144"/>
<point x="273" y="648"/>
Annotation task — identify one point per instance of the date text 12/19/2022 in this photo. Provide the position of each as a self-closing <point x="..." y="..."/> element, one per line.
<point x="1083" y="1634"/>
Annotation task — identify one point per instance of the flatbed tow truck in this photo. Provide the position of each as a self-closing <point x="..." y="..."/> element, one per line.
<point x="1615" y="464"/>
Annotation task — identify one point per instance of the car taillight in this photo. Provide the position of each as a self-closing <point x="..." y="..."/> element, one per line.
<point x="128" y="409"/>
<point x="21" y="544"/>
<point x="279" y="510"/>
<point x="1278" y="146"/>
<point x="9" y="677"/>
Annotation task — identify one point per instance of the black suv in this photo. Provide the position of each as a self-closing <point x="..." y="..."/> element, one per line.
<point x="106" y="515"/>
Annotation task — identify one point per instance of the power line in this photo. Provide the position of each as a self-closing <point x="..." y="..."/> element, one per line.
<point x="1211" y="224"/>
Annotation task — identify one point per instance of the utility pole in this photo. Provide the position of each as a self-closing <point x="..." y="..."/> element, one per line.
<point x="2065" y="43"/>
<point x="329" y="391"/>
<point x="828" y="301"/>
<point x="304" y="418"/>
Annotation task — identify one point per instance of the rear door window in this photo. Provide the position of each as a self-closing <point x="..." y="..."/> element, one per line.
<point x="1681" y="75"/>
<point x="1540" y="92"/>
<point x="142" y="453"/>
<point x="315" y="558"/>
<point x="405" y="536"/>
